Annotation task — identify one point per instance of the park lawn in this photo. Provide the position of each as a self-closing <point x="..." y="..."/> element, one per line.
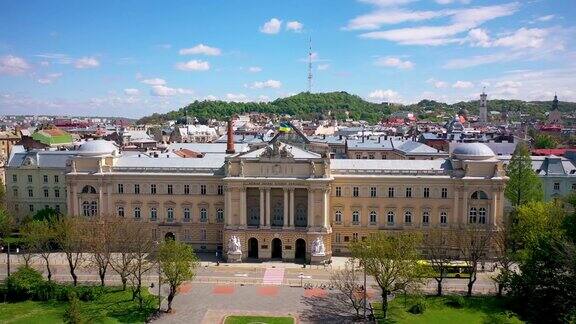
<point x="476" y="310"/>
<point x="258" y="319"/>
<point x="115" y="306"/>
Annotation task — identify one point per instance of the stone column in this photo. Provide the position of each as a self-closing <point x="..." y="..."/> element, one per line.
<point x="285" y="216"/>
<point x="494" y="211"/>
<point x="228" y="207"/>
<point x="109" y="206"/>
<point x="456" y="216"/>
<point x="268" y="207"/>
<point x="464" y="219"/>
<point x="243" y="219"/>
<point x="101" y="204"/>
<point x="311" y="208"/>
<point x="262" y="210"/>
<point x="325" y="208"/>
<point x="291" y="221"/>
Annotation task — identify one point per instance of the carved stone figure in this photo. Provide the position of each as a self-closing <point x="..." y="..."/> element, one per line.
<point x="312" y="169"/>
<point x="241" y="173"/>
<point x="318" y="248"/>
<point x="234" y="245"/>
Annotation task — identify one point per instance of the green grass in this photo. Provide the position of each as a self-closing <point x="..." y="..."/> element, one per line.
<point x="115" y="306"/>
<point x="476" y="310"/>
<point x="258" y="319"/>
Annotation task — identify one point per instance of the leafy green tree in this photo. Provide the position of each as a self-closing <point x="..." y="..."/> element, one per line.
<point x="71" y="239"/>
<point x="536" y="220"/>
<point x="73" y="313"/>
<point x="392" y="259"/>
<point x="545" y="141"/>
<point x="524" y="185"/>
<point x="177" y="263"/>
<point x="39" y="237"/>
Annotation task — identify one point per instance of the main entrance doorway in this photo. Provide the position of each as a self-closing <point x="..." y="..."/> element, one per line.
<point x="253" y="248"/>
<point x="300" y="252"/>
<point x="276" y="248"/>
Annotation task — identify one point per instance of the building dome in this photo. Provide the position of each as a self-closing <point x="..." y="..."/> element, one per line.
<point x="473" y="151"/>
<point x="98" y="147"/>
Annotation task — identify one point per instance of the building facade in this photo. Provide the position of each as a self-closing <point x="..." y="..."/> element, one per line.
<point x="279" y="198"/>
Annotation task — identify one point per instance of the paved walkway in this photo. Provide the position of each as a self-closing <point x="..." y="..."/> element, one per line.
<point x="273" y="276"/>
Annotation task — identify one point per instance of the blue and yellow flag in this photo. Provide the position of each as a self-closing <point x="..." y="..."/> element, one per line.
<point x="284" y="127"/>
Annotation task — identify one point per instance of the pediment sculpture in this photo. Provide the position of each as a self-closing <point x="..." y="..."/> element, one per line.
<point x="276" y="150"/>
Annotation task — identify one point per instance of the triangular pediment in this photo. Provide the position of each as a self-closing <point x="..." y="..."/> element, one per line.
<point x="280" y="151"/>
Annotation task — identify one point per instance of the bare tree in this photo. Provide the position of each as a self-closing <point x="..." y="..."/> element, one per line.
<point x="70" y="238"/>
<point x="437" y="247"/>
<point x="40" y="237"/>
<point x="121" y="258"/>
<point x="100" y="244"/>
<point x="474" y="245"/>
<point x="505" y="256"/>
<point x="346" y="281"/>
<point x="141" y="247"/>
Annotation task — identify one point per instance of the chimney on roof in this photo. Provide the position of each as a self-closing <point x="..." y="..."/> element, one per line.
<point x="230" y="142"/>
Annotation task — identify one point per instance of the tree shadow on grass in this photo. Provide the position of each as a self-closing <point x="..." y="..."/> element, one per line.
<point x="331" y="308"/>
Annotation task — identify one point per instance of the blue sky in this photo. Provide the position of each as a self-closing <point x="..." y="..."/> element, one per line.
<point x="132" y="58"/>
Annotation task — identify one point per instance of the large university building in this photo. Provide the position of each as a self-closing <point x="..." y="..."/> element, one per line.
<point x="283" y="198"/>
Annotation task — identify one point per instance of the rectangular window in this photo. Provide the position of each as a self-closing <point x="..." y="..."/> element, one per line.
<point x="408" y="217"/>
<point x="203" y="189"/>
<point x="170" y="214"/>
<point x="338" y="216"/>
<point x="358" y="156"/>
<point x="373" y="192"/>
<point x="426" y="192"/>
<point x="30" y="193"/>
<point x="338" y="238"/>
<point x="203" y="215"/>
<point x="56" y="179"/>
<point x="355" y="191"/>
<point x="391" y="192"/>
<point x="137" y="189"/>
<point x="425" y="217"/>
<point x="220" y="215"/>
<point x="121" y="211"/>
<point x="15" y="192"/>
<point x="186" y="214"/>
<point x="57" y="208"/>
<point x="120" y="188"/>
<point x="137" y="212"/>
<point x="373" y="217"/>
<point x="346" y="238"/>
<point x="31" y="208"/>
<point x="187" y="189"/>
<point x="153" y="214"/>
<point x="338" y="191"/>
<point x="443" y="218"/>
<point x="220" y="190"/>
<point x="444" y="193"/>
<point x="203" y="235"/>
<point x="57" y="193"/>
<point x="45" y="178"/>
<point x="152" y="189"/>
<point x="390" y="217"/>
<point x="556" y="185"/>
<point x="46" y="194"/>
<point x="170" y="189"/>
<point x="30" y="178"/>
<point x="14" y="178"/>
<point x="408" y="192"/>
<point x="371" y="156"/>
<point x="356" y="217"/>
<point x="574" y="186"/>
<point x="354" y="237"/>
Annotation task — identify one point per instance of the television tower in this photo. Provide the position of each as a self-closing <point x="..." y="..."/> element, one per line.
<point x="310" y="65"/>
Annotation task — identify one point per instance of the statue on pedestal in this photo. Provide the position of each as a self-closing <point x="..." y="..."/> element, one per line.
<point x="318" y="248"/>
<point x="234" y="245"/>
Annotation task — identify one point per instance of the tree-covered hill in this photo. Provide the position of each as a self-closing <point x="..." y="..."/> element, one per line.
<point x="320" y="105"/>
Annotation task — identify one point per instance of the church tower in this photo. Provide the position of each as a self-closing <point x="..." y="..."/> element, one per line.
<point x="483" y="107"/>
<point x="554" y="117"/>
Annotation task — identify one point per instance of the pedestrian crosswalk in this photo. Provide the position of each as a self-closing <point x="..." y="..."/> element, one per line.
<point x="273" y="276"/>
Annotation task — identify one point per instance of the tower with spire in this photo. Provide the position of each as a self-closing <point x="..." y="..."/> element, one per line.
<point x="554" y="116"/>
<point x="483" y="107"/>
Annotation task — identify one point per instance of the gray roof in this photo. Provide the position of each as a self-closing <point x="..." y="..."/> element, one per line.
<point x="42" y="159"/>
<point x="550" y="165"/>
<point x="209" y="163"/>
<point x="405" y="146"/>
<point x="432" y="167"/>
<point x="206" y="148"/>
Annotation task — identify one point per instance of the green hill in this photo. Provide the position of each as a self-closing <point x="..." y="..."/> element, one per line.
<point x="323" y="105"/>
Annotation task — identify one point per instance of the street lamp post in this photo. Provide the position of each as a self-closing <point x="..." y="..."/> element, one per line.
<point x="7" y="258"/>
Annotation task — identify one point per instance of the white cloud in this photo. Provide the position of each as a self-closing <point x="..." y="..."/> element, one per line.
<point x="387" y="17"/>
<point x="524" y="38"/>
<point x="131" y="92"/>
<point x="387" y="3"/>
<point x="545" y="18"/>
<point x="201" y="49"/>
<point x="437" y="83"/>
<point x="254" y="69"/>
<point x="236" y="97"/>
<point x="394" y="62"/>
<point x="322" y="67"/>
<point x="384" y="95"/>
<point x="49" y="78"/>
<point x="263" y="98"/>
<point x="193" y="65"/>
<point x="164" y="91"/>
<point x="479" y="37"/>
<point x="211" y="98"/>
<point x="272" y="84"/>
<point x="462" y="63"/>
<point x="13" y="65"/>
<point x="86" y="63"/>
<point x="462" y="85"/>
<point x="294" y="26"/>
<point x="154" y="81"/>
<point x="272" y="26"/>
<point x="445" y="2"/>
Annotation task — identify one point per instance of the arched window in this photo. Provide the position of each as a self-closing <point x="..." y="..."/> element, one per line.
<point x="443" y="218"/>
<point x="425" y="217"/>
<point x="220" y="215"/>
<point x="88" y="190"/>
<point x="137" y="212"/>
<point x="356" y="216"/>
<point x="482" y="215"/>
<point x="479" y="195"/>
<point x="338" y="216"/>
<point x="373" y="217"/>
<point x="203" y="215"/>
<point x="408" y="217"/>
<point x="278" y="215"/>
<point x="390" y="217"/>
<point x="472" y="215"/>
<point x="120" y="211"/>
<point x="153" y="213"/>
<point x="301" y="215"/>
<point x="170" y="214"/>
<point x="86" y="208"/>
<point x="186" y="214"/>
